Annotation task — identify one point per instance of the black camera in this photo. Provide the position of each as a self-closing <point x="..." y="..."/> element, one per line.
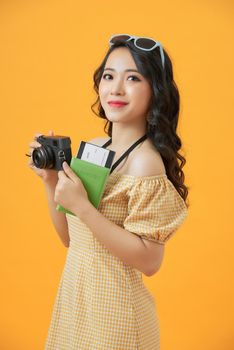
<point x="54" y="150"/>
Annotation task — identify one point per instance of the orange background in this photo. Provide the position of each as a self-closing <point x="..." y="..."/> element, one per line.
<point x="48" y="53"/>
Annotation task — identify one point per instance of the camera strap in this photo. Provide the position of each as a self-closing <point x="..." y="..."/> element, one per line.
<point x="125" y="154"/>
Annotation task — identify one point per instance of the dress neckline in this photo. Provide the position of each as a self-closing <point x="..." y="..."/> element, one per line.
<point x="118" y="174"/>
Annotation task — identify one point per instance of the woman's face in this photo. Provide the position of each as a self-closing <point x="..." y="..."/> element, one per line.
<point x="117" y="84"/>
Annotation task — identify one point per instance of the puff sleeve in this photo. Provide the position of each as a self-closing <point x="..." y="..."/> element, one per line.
<point x="155" y="209"/>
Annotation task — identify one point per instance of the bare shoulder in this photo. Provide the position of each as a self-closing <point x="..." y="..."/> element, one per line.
<point x="99" y="141"/>
<point x="142" y="161"/>
<point x="146" y="161"/>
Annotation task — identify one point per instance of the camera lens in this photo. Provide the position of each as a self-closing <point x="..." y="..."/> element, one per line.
<point x="43" y="157"/>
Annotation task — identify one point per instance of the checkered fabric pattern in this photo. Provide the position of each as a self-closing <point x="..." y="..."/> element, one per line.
<point x="102" y="303"/>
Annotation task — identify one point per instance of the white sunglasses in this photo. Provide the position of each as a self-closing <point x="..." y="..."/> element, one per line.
<point x="143" y="43"/>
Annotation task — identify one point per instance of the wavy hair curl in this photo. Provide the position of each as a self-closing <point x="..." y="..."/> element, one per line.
<point x="162" y="119"/>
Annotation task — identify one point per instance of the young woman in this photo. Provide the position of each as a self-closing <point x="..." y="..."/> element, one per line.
<point x="102" y="302"/>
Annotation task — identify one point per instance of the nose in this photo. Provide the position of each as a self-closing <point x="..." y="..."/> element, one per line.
<point x="117" y="87"/>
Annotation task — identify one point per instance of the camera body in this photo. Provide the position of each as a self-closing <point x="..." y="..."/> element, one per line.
<point x="54" y="150"/>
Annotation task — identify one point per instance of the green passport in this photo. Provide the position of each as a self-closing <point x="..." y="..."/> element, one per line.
<point x="93" y="177"/>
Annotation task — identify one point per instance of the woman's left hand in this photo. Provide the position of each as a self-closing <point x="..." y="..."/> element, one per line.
<point x="70" y="191"/>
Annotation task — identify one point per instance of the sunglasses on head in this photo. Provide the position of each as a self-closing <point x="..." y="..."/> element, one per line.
<point x="143" y="43"/>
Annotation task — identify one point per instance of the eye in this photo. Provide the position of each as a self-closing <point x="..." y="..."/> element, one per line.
<point x="104" y="75"/>
<point x="135" y="77"/>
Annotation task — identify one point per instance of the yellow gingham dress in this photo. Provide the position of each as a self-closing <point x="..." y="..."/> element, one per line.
<point x="102" y="303"/>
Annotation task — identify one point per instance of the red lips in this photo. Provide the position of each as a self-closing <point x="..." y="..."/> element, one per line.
<point x="121" y="103"/>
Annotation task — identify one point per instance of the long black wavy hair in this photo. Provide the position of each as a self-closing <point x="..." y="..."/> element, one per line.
<point x="163" y="114"/>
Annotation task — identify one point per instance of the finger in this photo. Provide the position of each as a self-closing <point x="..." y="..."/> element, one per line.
<point x="31" y="165"/>
<point x="31" y="161"/>
<point x="37" y="135"/>
<point x="69" y="172"/>
<point x="61" y="175"/>
<point x="34" y="144"/>
<point x="51" y="133"/>
<point x="31" y="149"/>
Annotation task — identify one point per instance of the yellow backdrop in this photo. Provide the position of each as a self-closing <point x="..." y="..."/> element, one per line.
<point x="48" y="53"/>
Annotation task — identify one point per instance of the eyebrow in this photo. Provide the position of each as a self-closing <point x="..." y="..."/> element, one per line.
<point x="126" y="70"/>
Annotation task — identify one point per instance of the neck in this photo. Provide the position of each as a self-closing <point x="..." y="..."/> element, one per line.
<point x="124" y="135"/>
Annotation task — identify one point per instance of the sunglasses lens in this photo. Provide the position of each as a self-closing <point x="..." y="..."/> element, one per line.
<point x="145" y="43"/>
<point x="119" y="38"/>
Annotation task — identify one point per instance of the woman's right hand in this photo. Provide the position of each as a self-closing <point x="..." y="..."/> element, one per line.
<point x="47" y="175"/>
